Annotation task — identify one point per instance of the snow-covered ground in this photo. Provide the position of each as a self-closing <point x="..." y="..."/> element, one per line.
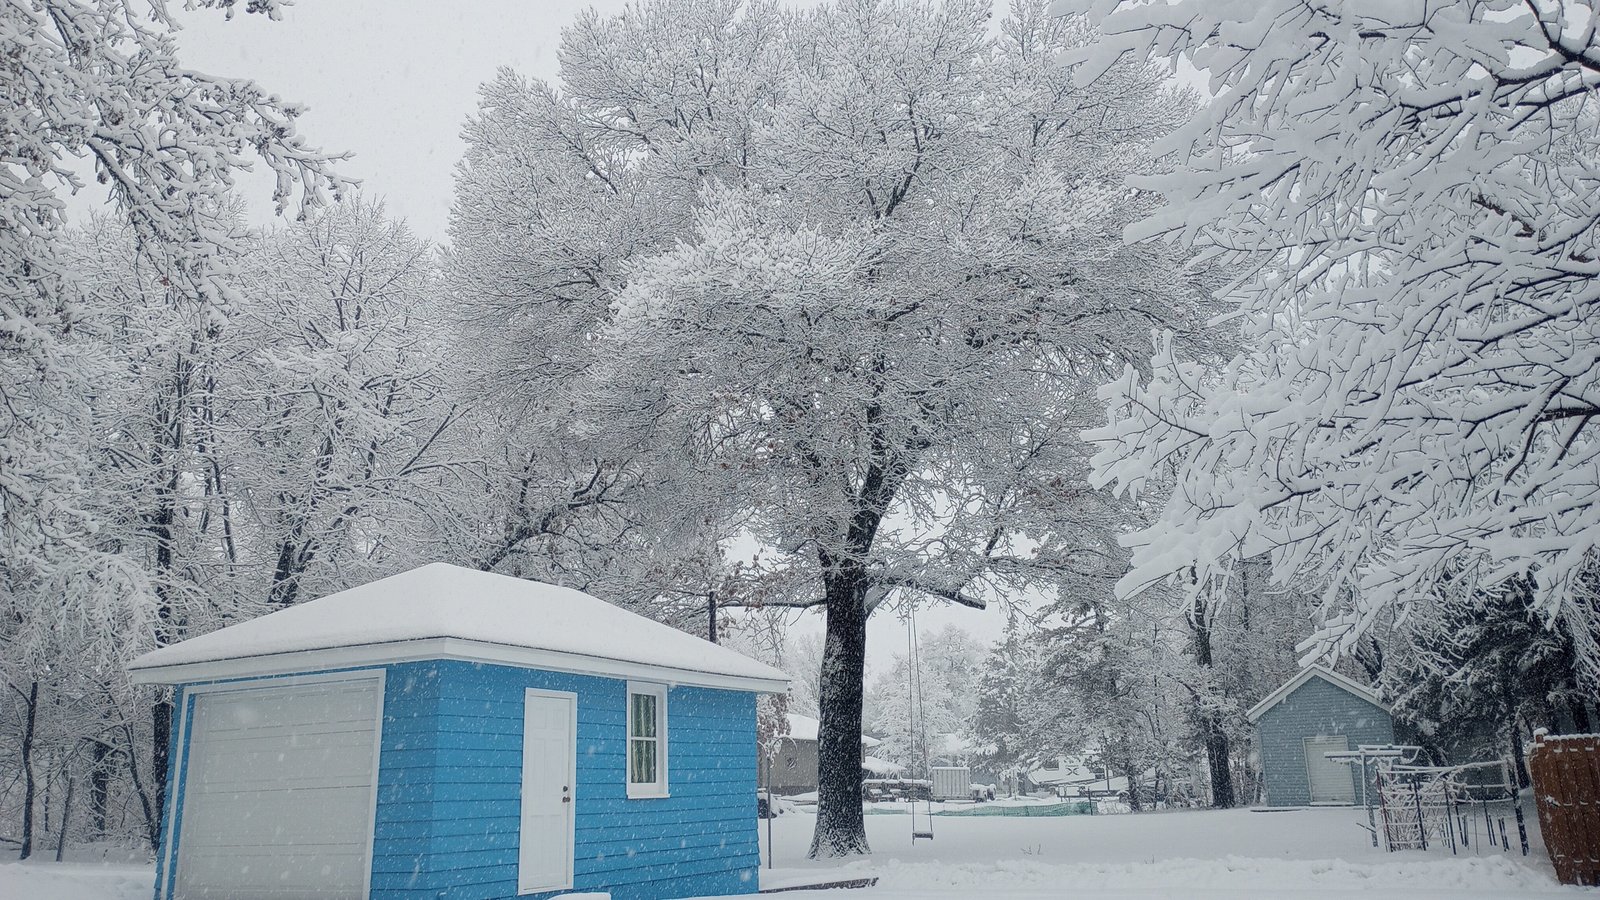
<point x="1309" y="854"/>
<point x="110" y="875"/>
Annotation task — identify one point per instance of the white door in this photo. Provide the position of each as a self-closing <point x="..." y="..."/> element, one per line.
<point x="549" y="791"/>
<point x="1331" y="782"/>
<point x="278" y="792"/>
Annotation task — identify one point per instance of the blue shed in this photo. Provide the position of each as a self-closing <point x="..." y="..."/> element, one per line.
<point x="1314" y="713"/>
<point x="450" y="733"/>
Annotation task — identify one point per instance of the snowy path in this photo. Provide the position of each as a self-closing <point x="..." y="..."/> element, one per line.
<point x="1314" y="854"/>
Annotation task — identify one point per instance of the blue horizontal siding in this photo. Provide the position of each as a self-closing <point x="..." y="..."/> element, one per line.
<point x="407" y="771"/>
<point x="448" y="812"/>
<point x="449" y="808"/>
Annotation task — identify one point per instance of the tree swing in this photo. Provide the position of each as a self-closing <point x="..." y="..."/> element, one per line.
<point x="916" y="719"/>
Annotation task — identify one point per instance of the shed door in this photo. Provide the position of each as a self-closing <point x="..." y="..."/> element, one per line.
<point x="278" y="792"/>
<point x="1331" y="782"/>
<point x="549" y="791"/>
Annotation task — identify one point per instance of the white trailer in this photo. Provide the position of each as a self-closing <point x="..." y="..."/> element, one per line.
<point x="952" y="783"/>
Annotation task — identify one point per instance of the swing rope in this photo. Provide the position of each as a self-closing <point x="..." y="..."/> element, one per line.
<point x="917" y="719"/>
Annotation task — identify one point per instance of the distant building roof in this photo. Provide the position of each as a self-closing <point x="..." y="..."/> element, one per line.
<point x="805" y="728"/>
<point x="881" y="767"/>
<point x="440" y="611"/>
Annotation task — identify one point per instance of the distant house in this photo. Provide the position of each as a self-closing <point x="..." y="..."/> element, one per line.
<point x="794" y="765"/>
<point x="453" y="733"/>
<point x="1075" y="776"/>
<point x="1314" y="713"/>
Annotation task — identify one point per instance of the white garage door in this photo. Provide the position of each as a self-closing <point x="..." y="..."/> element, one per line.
<point x="1331" y="782"/>
<point x="278" y="792"/>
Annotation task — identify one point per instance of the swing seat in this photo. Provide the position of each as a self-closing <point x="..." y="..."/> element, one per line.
<point x="916" y="835"/>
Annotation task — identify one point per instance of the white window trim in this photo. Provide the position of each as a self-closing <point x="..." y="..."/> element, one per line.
<point x="658" y="788"/>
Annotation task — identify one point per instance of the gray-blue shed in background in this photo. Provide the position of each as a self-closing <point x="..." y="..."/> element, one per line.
<point x="1314" y="713"/>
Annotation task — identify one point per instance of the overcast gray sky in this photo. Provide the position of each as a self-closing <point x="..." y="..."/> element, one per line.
<point x="392" y="82"/>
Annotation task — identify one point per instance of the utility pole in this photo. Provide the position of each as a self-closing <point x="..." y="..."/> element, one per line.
<point x="711" y="609"/>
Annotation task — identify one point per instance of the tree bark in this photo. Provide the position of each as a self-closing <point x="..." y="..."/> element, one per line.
<point x="161" y="740"/>
<point x="99" y="786"/>
<point x="30" y="717"/>
<point x="841" y="826"/>
<point x="1579" y="715"/>
<point x="1135" y="786"/>
<point x="150" y="810"/>
<point x="66" y="811"/>
<point x="160" y="524"/>
<point x="1518" y="760"/>
<point x="1221" y="770"/>
<point x="1215" y="735"/>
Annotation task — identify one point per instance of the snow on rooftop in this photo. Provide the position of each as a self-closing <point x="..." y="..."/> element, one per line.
<point x="805" y="728"/>
<point x="442" y="601"/>
<point x="881" y="767"/>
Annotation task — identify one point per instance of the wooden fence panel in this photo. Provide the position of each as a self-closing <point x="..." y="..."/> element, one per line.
<point x="1566" y="787"/>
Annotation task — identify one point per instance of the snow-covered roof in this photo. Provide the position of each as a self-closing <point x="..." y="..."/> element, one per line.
<point x="881" y="766"/>
<point x="1069" y="770"/>
<point x="1326" y="674"/>
<point x="440" y="611"/>
<point x="805" y="728"/>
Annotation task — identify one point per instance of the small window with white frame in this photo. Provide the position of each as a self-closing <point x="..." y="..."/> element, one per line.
<point x="647" y="740"/>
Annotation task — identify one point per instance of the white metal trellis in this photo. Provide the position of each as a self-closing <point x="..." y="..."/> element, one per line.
<point x="1470" y="808"/>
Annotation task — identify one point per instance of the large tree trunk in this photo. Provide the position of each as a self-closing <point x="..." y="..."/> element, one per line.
<point x="30" y="716"/>
<point x="1211" y="727"/>
<point x="161" y="742"/>
<point x="1221" y="768"/>
<point x="841" y="827"/>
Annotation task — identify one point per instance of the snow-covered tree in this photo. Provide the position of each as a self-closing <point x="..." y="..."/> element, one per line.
<point x="1005" y="702"/>
<point x="97" y="85"/>
<point x="224" y="462"/>
<point x="1474" y="676"/>
<point x="1406" y="195"/>
<point x="873" y="336"/>
<point x="333" y="406"/>
<point x="803" y="662"/>
<point x="548" y="220"/>
<point x="927" y="694"/>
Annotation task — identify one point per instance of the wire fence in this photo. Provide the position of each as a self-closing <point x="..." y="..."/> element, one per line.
<point x="1472" y="808"/>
